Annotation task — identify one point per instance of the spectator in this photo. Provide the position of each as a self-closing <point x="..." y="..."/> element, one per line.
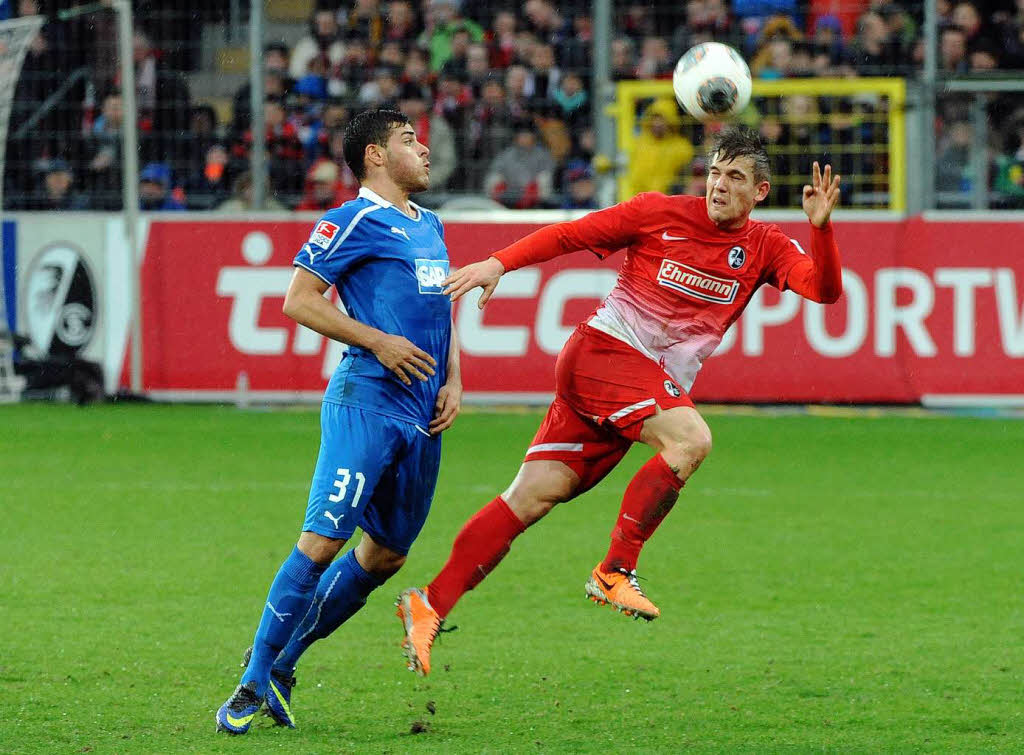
<point x="490" y="131"/>
<point x="637" y="22"/>
<point x="443" y="20"/>
<point x="543" y="75"/>
<point x="457" y="64"/>
<point x="521" y="175"/>
<point x="983" y="57"/>
<point x="241" y="198"/>
<point x="284" y="150"/>
<point x="392" y="55"/>
<point x="382" y="88"/>
<point x="966" y="16"/>
<point x="276" y="83"/>
<point x="202" y="134"/>
<point x="548" y="24"/>
<point x="164" y="106"/>
<point x="348" y="78"/>
<point x="324" y="188"/>
<point x="828" y="36"/>
<point x="952" y="176"/>
<point x="103" y="155"/>
<point x="580" y="188"/>
<point x="774" y="58"/>
<point x="478" y="67"/>
<point x="57" y="190"/>
<point x="155" y="189"/>
<point x="655" y="59"/>
<point x="572" y="101"/>
<point x="1009" y="181"/>
<point x="660" y="152"/>
<point x="501" y="40"/>
<point x="366" y="21"/>
<point x="574" y="53"/>
<point x="416" y="71"/>
<point x="210" y="186"/>
<point x="323" y="41"/>
<point x="953" y="50"/>
<point x="902" y="31"/>
<point x="778" y="63"/>
<point x="623" y="59"/>
<point x="453" y="100"/>
<point x="400" y="23"/>
<point x="873" y="50"/>
<point x="433" y="131"/>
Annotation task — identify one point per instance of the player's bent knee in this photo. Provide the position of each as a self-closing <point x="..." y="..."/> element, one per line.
<point x="377" y="559"/>
<point x="319" y="549"/>
<point x="687" y="453"/>
<point x="538" y="488"/>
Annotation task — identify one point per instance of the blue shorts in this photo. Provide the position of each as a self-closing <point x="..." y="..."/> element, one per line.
<point x="373" y="472"/>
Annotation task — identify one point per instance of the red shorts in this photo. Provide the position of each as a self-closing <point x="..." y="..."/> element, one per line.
<point x="604" y="390"/>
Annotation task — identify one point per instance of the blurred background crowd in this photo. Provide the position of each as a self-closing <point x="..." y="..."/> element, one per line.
<point x="501" y="92"/>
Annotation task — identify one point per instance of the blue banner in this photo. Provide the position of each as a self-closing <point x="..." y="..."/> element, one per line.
<point x="8" y="281"/>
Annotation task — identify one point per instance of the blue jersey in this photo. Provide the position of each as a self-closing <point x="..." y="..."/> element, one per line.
<point x="388" y="269"/>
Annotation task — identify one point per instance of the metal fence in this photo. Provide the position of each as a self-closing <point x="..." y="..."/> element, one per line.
<point x="504" y="94"/>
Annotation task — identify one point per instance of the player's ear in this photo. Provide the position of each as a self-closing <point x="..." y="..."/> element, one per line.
<point x="762" y="191"/>
<point x="374" y="155"/>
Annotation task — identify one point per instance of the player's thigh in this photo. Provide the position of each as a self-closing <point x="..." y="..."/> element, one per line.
<point x="398" y="509"/>
<point x="587" y="449"/>
<point x="681" y="428"/>
<point x="355" y="449"/>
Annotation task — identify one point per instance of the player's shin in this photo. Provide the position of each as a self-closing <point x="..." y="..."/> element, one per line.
<point x="651" y="494"/>
<point x="341" y="591"/>
<point x="479" y="547"/>
<point x="289" y="599"/>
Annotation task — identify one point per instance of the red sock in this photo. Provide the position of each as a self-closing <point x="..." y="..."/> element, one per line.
<point x="479" y="547"/>
<point x="649" y="497"/>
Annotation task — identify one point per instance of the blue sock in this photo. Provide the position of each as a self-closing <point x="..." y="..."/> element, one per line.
<point x="289" y="599"/>
<point x="341" y="592"/>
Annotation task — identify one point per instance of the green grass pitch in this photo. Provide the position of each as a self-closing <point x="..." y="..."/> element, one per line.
<point x="827" y="582"/>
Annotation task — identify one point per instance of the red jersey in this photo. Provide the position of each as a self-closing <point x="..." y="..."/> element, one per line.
<point x="683" y="281"/>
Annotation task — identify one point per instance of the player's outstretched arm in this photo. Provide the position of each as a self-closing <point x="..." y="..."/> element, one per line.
<point x="484" y="274"/>
<point x="821" y="196"/>
<point x="305" y="303"/>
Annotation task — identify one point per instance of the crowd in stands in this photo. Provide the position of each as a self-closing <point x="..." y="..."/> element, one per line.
<point x="501" y="92"/>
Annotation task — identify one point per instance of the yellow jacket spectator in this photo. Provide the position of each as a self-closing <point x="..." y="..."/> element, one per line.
<point x="660" y="152"/>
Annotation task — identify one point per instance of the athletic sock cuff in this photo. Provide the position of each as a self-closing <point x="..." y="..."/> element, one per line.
<point x="301" y="568"/>
<point x="367" y="580"/>
<point x="513" y="520"/>
<point x="666" y="473"/>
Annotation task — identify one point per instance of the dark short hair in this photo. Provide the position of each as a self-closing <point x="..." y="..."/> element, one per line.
<point x="369" y="127"/>
<point x="739" y="141"/>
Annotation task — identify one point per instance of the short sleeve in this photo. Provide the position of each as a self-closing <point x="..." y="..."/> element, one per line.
<point x="781" y="254"/>
<point x="333" y="246"/>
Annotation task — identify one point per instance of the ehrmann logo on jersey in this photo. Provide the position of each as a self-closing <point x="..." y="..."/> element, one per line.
<point x="60" y="300"/>
<point x="693" y="282"/>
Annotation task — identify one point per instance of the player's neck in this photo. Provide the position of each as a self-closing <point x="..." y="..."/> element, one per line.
<point x="392" y="193"/>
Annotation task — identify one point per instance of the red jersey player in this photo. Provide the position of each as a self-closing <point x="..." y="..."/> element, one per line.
<point x="690" y="267"/>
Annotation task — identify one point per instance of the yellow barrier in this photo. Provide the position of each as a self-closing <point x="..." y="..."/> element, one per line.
<point x="878" y="177"/>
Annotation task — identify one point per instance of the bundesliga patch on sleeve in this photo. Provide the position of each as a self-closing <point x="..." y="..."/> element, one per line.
<point x="323" y="234"/>
<point x="430" y="274"/>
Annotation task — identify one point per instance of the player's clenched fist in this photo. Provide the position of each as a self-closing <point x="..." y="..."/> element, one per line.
<point x="404" y="358"/>
<point x="484" y="274"/>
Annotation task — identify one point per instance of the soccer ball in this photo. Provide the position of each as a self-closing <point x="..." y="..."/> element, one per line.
<point x="711" y="81"/>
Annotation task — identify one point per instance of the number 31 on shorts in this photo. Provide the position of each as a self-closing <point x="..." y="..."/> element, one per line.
<point x="344" y="478"/>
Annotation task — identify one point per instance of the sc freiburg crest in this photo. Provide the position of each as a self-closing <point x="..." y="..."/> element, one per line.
<point x="737" y="256"/>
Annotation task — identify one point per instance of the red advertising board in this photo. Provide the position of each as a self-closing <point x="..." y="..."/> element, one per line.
<point x="929" y="308"/>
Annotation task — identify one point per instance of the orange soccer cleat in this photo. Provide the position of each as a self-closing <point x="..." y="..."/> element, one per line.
<point x="620" y="589"/>
<point x="421" y="624"/>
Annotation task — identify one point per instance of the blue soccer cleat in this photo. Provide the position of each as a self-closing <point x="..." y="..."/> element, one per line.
<point x="279" y="694"/>
<point x="236" y="715"/>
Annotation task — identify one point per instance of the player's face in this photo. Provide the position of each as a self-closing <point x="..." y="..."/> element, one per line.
<point x="732" y="191"/>
<point x="408" y="160"/>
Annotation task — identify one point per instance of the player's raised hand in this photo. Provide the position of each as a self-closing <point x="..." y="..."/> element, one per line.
<point x="449" y="401"/>
<point x="404" y="358"/>
<point x="821" y="196"/>
<point x="484" y="274"/>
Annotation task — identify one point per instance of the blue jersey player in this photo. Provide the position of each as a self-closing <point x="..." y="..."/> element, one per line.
<point x="396" y="389"/>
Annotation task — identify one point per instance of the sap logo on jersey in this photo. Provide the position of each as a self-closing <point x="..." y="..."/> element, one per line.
<point x="430" y="274"/>
<point x="323" y="234"/>
<point x="693" y="282"/>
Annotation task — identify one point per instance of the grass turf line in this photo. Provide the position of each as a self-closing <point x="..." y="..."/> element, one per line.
<point x="837" y="583"/>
